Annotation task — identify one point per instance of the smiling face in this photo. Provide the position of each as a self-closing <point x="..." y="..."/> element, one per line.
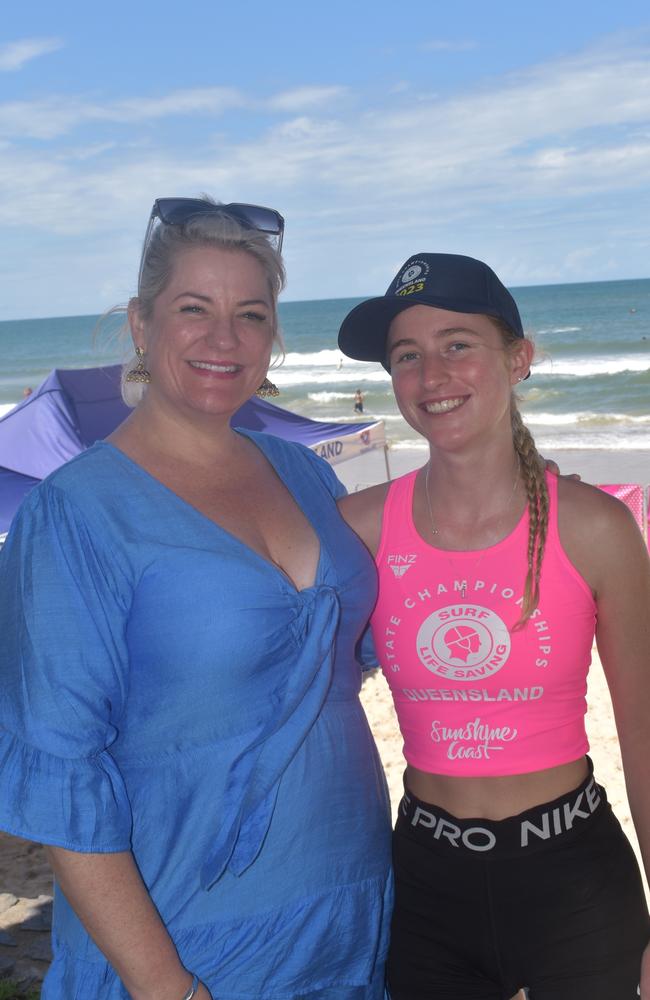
<point x="452" y="374"/>
<point x="209" y="337"/>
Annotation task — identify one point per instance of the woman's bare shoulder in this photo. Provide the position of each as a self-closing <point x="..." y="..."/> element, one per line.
<point x="597" y="531"/>
<point x="363" y="512"/>
<point x="585" y="508"/>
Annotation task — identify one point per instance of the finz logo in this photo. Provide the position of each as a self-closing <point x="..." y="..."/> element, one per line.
<point x="463" y="642"/>
<point x="400" y="563"/>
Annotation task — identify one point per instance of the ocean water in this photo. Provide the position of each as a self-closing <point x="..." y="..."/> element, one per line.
<point x="590" y="386"/>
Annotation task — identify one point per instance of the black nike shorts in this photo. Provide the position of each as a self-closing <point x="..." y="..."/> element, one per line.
<point x="550" y="900"/>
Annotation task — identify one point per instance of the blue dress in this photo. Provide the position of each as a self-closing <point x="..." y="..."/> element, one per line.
<point x="166" y="690"/>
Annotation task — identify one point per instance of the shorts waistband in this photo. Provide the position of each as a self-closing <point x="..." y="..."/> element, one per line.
<point x="542" y="826"/>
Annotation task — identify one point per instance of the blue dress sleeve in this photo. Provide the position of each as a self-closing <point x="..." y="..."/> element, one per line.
<point x="365" y="651"/>
<point x="63" y="680"/>
<point x="326" y="474"/>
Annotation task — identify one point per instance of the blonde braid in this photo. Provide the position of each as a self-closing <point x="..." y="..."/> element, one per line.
<point x="534" y="479"/>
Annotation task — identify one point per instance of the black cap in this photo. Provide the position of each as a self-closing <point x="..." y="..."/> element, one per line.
<point x="446" y="280"/>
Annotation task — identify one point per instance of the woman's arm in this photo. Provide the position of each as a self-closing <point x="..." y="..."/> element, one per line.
<point x="605" y="545"/>
<point x="623" y="639"/>
<point x="111" y="900"/>
<point x="64" y="598"/>
<point x="363" y="512"/>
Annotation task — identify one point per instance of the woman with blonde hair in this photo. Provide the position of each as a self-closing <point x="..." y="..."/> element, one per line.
<point x="494" y="576"/>
<point x="179" y="713"/>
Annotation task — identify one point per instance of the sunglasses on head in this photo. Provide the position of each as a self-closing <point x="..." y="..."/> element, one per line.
<point x="177" y="211"/>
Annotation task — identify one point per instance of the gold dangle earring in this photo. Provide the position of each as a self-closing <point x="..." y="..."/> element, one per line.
<point x="139" y="373"/>
<point x="267" y="389"/>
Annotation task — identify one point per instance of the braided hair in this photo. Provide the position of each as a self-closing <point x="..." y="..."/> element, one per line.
<point x="532" y="470"/>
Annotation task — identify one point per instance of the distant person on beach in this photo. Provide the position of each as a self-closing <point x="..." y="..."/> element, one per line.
<point x="358" y="401"/>
<point x="27" y="391"/>
<point x="181" y="609"/>
<point x="494" y="576"/>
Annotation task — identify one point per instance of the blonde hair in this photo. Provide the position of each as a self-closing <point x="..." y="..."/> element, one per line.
<point x="534" y="479"/>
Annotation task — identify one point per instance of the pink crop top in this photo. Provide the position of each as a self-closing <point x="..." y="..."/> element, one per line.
<point x="472" y="696"/>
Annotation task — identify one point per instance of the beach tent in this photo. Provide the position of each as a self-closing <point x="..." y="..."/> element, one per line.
<point x="72" y="409"/>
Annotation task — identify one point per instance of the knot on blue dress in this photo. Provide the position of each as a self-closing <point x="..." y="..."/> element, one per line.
<point x="253" y="780"/>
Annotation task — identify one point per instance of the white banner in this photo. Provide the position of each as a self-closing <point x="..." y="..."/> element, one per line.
<point x="339" y="449"/>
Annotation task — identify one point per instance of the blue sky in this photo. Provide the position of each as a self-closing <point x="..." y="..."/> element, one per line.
<point x="515" y="132"/>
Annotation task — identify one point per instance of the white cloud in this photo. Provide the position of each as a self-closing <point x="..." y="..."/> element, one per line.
<point x="206" y="101"/>
<point x="89" y="151"/>
<point x="564" y="98"/>
<point x="56" y="116"/>
<point x="303" y="98"/>
<point x="14" y="55"/>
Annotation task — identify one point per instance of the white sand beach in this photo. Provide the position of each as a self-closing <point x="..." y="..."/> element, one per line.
<point x="598" y="466"/>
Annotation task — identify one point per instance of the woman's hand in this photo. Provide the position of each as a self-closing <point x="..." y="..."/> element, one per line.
<point x="202" y="992"/>
<point x="554" y="469"/>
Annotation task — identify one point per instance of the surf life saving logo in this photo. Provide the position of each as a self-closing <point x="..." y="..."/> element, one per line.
<point x="463" y="642"/>
<point x="413" y="278"/>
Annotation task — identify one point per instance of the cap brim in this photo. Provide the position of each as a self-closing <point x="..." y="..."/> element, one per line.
<point x="364" y="330"/>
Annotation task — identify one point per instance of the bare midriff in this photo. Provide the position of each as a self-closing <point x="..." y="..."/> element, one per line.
<point x="495" y="798"/>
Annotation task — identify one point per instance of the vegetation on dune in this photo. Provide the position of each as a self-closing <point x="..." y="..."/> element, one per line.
<point x="9" y="990"/>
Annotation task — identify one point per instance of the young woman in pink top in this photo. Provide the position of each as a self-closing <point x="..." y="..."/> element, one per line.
<point x="513" y="875"/>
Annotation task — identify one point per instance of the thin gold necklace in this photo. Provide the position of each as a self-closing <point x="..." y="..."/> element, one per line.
<point x="436" y="531"/>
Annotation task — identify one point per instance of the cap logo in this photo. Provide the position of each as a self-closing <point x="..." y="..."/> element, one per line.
<point x="410" y="274"/>
<point x="412" y="278"/>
